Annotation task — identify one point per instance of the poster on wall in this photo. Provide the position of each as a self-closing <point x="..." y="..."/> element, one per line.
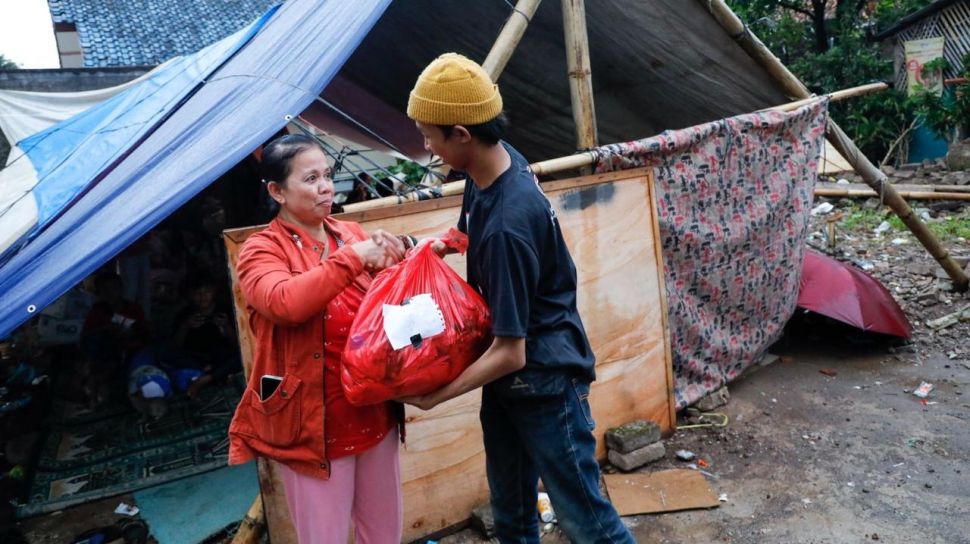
<point x="918" y="53"/>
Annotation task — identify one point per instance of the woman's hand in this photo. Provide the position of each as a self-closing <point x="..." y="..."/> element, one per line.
<point x="380" y="251"/>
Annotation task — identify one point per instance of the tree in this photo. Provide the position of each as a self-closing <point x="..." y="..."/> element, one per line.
<point x="826" y="43"/>
<point x="7" y="64"/>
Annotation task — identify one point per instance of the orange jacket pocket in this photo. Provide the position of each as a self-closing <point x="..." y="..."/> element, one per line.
<point x="276" y="420"/>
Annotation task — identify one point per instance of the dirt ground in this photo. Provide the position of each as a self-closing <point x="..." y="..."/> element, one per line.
<point x="811" y="458"/>
<point x="848" y="458"/>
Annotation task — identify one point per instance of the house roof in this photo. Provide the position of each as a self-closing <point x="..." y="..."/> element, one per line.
<point x="149" y="32"/>
<point x="914" y="18"/>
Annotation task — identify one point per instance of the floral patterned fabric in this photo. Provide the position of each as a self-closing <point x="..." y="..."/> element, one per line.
<point x="733" y="202"/>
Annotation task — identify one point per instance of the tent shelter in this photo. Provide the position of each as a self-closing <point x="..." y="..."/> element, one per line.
<point x="673" y="64"/>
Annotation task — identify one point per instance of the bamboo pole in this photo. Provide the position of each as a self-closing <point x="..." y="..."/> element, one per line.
<point x="508" y="39"/>
<point x="835" y="97"/>
<point x="900" y="187"/>
<point x="580" y="80"/>
<point x="251" y="528"/>
<point x="873" y="177"/>
<point x="908" y="195"/>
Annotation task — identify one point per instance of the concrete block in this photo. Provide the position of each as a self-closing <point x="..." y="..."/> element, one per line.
<point x="714" y="400"/>
<point x="632" y="436"/>
<point x="483" y="520"/>
<point x="636" y="458"/>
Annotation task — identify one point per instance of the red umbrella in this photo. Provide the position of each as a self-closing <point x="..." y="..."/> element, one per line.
<point x="848" y="294"/>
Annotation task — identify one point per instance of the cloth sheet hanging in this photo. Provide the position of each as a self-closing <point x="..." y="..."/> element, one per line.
<point x="733" y="202"/>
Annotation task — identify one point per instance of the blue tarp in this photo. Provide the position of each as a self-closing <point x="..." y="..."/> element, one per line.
<point x="291" y="55"/>
<point x="69" y="157"/>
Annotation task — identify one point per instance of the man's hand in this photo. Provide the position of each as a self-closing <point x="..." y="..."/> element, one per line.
<point x="504" y="356"/>
<point x="437" y="245"/>
<point x="424" y="402"/>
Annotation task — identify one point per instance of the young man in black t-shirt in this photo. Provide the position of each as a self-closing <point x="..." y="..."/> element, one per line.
<point x="535" y="376"/>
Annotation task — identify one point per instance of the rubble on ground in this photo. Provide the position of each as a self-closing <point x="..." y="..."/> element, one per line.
<point x="868" y="236"/>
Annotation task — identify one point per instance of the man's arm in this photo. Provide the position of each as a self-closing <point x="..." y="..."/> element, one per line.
<point x="504" y="356"/>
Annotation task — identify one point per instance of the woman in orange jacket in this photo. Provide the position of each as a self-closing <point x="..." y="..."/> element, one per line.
<point x="303" y="278"/>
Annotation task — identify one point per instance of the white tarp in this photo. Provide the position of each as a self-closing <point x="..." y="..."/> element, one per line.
<point x="24" y="113"/>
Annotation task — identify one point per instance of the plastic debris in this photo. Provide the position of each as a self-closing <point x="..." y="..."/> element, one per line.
<point x="923" y="390"/>
<point x="684" y="455"/>
<point x="899" y="241"/>
<point x="842" y="181"/>
<point x="702" y="463"/>
<point x="722" y="497"/>
<point x="544" y="506"/>
<point x="823" y="209"/>
<point x="127" y="509"/>
<point x="883" y="228"/>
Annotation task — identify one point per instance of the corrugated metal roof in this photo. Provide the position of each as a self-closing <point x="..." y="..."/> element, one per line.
<point x="149" y="32"/>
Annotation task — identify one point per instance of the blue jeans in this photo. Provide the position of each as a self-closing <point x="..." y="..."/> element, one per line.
<point x="538" y="424"/>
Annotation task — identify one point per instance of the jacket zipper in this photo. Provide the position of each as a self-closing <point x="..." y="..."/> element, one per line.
<point x="323" y="370"/>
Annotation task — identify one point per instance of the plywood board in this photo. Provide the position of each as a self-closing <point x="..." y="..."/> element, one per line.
<point x="609" y="223"/>
<point x="665" y="491"/>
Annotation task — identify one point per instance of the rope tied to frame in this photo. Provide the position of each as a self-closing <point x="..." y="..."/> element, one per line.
<point x="519" y="11"/>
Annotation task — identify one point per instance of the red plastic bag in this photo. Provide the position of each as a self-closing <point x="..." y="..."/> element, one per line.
<point x="373" y="371"/>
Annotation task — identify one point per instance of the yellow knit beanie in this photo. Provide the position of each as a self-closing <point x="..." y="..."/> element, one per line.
<point x="454" y="90"/>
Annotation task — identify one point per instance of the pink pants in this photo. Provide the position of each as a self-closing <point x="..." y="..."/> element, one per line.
<point x="365" y="488"/>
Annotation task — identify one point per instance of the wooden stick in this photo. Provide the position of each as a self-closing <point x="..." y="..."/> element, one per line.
<point x="580" y="80"/>
<point x="509" y="38"/>
<point x="908" y="195"/>
<point x="870" y="174"/>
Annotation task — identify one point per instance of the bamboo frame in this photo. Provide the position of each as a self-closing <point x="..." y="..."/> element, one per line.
<point x="873" y="177"/>
<point x="580" y="79"/>
<point x="508" y="39"/>
<point x="571" y="162"/>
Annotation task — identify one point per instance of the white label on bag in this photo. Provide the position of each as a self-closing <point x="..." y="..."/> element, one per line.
<point x="411" y="323"/>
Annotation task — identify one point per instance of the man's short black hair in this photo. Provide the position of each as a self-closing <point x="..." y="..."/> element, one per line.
<point x="489" y="132"/>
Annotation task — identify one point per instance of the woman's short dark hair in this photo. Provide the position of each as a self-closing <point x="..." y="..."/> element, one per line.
<point x="489" y="132"/>
<point x="278" y="154"/>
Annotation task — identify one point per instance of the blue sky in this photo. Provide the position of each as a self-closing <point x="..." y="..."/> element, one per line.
<point x="27" y="34"/>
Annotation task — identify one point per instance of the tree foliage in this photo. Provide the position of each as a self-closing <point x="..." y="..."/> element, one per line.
<point x="948" y="114"/>
<point x="827" y="44"/>
<point x="7" y="64"/>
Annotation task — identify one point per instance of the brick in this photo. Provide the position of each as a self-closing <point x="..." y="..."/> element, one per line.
<point x="632" y="436"/>
<point x="637" y="458"/>
<point x="714" y="400"/>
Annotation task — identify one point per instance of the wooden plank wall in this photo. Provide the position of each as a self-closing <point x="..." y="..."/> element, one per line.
<point x="609" y="223"/>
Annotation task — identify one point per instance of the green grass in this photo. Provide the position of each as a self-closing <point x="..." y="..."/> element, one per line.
<point x="859" y="218"/>
<point x="952" y="227"/>
<point x="946" y="228"/>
